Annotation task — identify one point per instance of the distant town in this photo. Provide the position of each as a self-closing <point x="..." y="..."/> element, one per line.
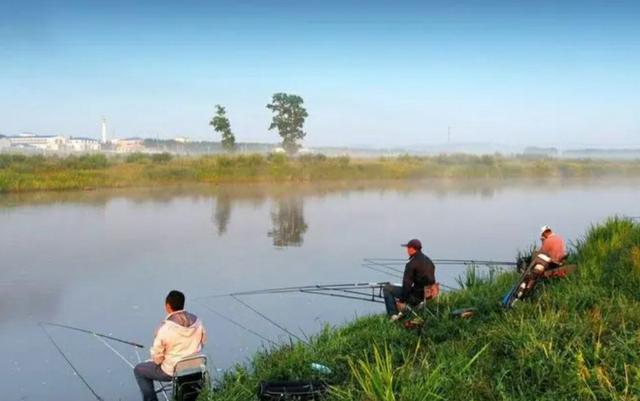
<point x="33" y="143"/>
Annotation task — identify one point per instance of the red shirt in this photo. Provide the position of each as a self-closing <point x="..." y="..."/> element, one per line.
<point x="553" y="246"/>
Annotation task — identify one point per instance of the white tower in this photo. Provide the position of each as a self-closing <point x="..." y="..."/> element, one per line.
<point x="104" y="130"/>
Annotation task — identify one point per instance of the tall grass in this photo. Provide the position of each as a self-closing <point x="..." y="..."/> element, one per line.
<point x="577" y="339"/>
<point x="28" y="173"/>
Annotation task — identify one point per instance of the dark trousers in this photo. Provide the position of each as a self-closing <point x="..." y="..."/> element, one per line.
<point x="391" y="293"/>
<point x="146" y="373"/>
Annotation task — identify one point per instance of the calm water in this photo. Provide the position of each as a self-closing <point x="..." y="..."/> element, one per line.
<point x="105" y="260"/>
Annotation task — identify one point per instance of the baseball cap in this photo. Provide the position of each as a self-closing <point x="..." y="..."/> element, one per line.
<point x="414" y="243"/>
<point x="544" y="229"/>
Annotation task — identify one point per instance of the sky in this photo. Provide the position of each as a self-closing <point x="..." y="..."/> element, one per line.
<point x="372" y="73"/>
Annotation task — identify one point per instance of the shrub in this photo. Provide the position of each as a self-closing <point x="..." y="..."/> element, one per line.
<point x="136" y="158"/>
<point x="86" y="162"/>
<point x="163" y="157"/>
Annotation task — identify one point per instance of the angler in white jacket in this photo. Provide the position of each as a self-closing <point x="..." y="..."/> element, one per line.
<point x="181" y="334"/>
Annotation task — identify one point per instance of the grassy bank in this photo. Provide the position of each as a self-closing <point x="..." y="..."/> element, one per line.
<point x="579" y="338"/>
<point x="32" y="173"/>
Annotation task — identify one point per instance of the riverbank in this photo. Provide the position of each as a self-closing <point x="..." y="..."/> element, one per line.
<point x="37" y="173"/>
<point x="579" y="338"/>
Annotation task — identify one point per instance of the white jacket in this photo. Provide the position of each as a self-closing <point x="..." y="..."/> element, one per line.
<point x="180" y="335"/>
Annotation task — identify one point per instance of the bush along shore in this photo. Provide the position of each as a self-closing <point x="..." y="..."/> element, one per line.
<point x="19" y="173"/>
<point x="578" y="338"/>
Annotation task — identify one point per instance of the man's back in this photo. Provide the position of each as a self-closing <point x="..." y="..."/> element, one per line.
<point x="419" y="272"/>
<point x="180" y="335"/>
<point x="553" y="246"/>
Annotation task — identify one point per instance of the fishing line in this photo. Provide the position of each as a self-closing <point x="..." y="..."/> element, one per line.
<point x="265" y="317"/>
<point x="240" y="325"/>
<point x="75" y="371"/>
<point x="378" y="270"/>
<point x="383" y="265"/>
<point x="114" y="351"/>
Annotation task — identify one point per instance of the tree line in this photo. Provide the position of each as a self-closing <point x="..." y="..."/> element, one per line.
<point x="288" y="119"/>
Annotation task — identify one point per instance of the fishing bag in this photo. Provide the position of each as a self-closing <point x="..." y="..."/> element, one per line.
<point x="291" y="390"/>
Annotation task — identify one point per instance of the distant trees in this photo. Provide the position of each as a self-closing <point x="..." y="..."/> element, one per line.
<point x="221" y="124"/>
<point x="288" y="119"/>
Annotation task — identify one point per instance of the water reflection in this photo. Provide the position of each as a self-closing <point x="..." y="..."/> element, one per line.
<point x="222" y="212"/>
<point x="288" y="222"/>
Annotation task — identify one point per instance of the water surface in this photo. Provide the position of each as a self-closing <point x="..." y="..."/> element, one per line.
<point x="105" y="260"/>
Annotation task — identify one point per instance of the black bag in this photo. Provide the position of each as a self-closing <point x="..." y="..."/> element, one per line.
<point x="291" y="390"/>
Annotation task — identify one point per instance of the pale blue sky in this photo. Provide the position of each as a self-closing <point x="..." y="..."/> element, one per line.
<point x="371" y="73"/>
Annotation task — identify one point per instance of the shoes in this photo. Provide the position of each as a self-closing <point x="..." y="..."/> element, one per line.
<point x="395" y="317"/>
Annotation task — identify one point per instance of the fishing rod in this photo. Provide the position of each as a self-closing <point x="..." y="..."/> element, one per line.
<point x="75" y="371"/>
<point x="328" y="294"/>
<point x="387" y="261"/>
<point x="341" y="290"/>
<point x="356" y="293"/>
<point x="285" y="290"/>
<point x="64" y="326"/>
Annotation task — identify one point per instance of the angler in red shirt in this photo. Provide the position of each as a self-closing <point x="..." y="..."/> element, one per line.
<point x="552" y="252"/>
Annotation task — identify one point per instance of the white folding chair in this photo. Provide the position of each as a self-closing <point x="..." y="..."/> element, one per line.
<point x="189" y="378"/>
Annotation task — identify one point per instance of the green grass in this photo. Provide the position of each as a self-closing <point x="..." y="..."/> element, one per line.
<point x="578" y="338"/>
<point x="20" y="173"/>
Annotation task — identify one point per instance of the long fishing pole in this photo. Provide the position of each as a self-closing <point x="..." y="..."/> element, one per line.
<point x="284" y="290"/>
<point x="75" y="371"/>
<point x="360" y="297"/>
<point x="267" y="318"/>
<point x="235" y="323"/>
<point x="64" y="326"/>
<point x="443" y="261"/>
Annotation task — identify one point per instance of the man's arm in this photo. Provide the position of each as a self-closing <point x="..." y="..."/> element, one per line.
<point x="203" y="341"/>
<point x="158" y="348"/>
<point x="407" y="281"/>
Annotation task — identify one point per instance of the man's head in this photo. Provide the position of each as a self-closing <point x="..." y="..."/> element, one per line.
<point x="174" y="301"/>
<point x="545" y="231"/>
<point x="413" y="246"/>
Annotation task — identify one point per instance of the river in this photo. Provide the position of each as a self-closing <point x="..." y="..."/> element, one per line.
<point x="104" y="260"/>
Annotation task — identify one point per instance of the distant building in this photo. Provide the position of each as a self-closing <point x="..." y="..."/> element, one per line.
<point x="4" y="143"/>
<point x="103" y="127"/>
<point x="79" y="144"/>
<point x="40" y="142"/>
<point x="129" y="145"/>
<point x="182" y="139"/>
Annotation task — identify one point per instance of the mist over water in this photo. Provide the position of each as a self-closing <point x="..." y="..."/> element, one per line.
<point x="104" y="260"/>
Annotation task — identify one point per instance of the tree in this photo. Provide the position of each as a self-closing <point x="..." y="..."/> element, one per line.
<point x="221" y="124"/>
<point x="288" y="119"/>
